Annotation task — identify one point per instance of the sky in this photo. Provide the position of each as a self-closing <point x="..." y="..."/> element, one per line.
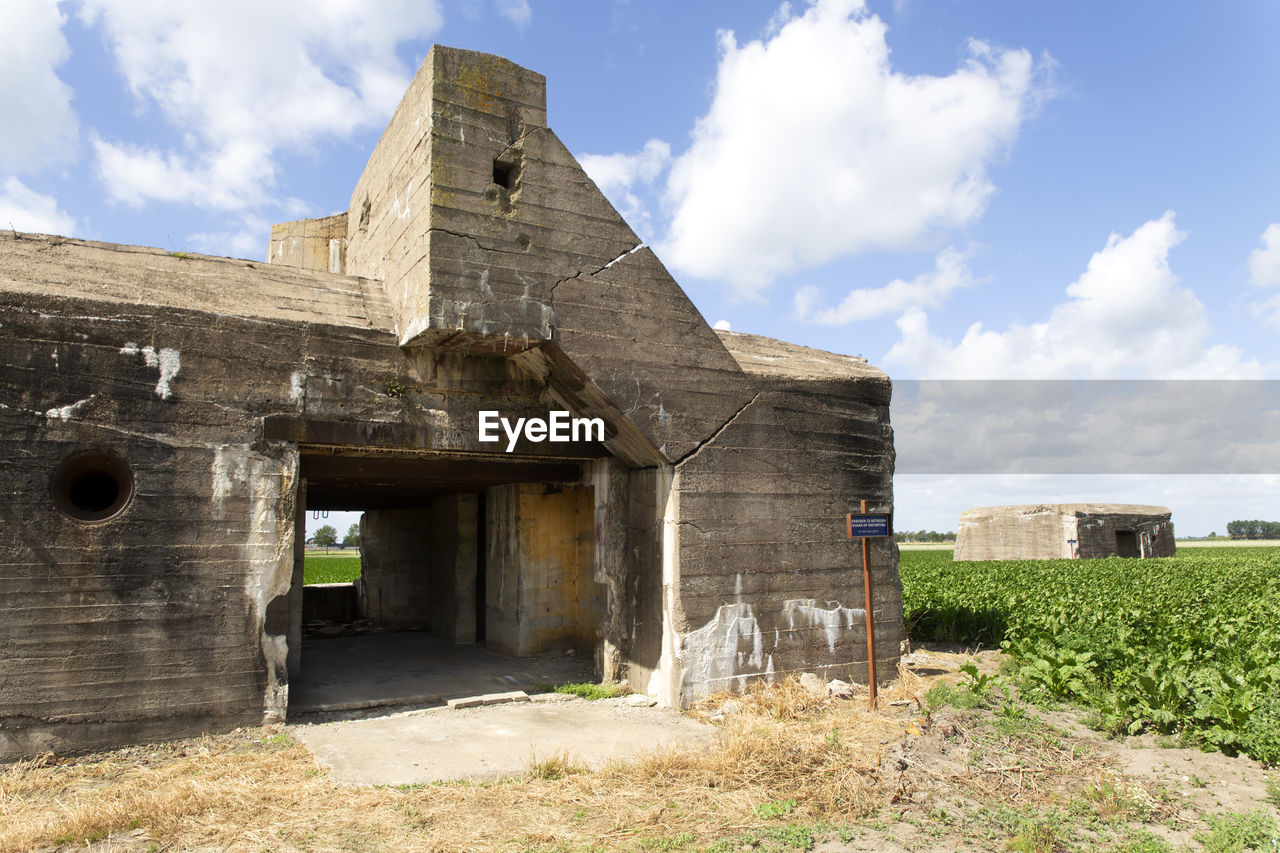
<point x="958" y="191"/>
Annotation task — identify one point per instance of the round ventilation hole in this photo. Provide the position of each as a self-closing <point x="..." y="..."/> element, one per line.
<point x="92" y="486"/>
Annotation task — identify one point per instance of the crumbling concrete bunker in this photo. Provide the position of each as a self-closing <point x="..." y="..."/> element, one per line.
<point x="167" y="420"/>
<point x="1064" y="531"/>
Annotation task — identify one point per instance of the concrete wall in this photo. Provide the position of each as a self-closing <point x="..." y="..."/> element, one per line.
<point x="766" y="583"/>
<point x="395" y="559"/>
<point x="706" y="552"/>
<point x="312" y="244"/>
<point x="1152" y="530"/>
<point x="541" y="593"/>
<point x="454" y="541"/>
<point x="173" y="617"/>
<point x="1061" y="531"/>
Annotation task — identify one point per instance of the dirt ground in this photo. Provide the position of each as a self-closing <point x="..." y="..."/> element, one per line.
<point x="785" y="771"/>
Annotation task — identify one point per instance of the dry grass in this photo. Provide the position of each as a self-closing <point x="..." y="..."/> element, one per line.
<point x="256" y="789"/>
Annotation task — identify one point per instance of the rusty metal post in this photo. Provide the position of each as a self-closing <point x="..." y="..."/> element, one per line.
<point x="871" y="628"/>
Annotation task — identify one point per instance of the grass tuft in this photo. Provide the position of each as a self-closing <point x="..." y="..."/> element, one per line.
<point x="590" y="691"/>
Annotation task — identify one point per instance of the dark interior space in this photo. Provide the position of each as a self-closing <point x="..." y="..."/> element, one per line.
<point x="475" y="577"/>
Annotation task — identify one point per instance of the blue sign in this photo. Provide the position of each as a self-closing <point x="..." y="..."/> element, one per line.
<point x="860" y="526"/>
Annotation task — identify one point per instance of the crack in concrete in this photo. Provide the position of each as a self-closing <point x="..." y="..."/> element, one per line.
<point x="473" y="239"/>
<point x="522" y="138"/>
<point x="698" y="449"/>
<point x="551" y="294"/>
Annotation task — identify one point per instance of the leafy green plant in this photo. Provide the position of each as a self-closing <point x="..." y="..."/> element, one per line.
<point x="1185" y="646"/>
<point x="768" y="811"/>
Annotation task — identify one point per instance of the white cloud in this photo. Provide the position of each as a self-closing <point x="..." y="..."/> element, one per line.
<point x="814" y="147"/>
<point x="1264" y="262"/>
<point x="620" y="176"/>
<point x="244" y="79"/>
<point x="927" y="290"/>
<point x="517" y="12"/>
<point x="39" y="126"/>
<point x="246" y="238"/>
<point x="1264" y="271"/>
<point x="1126" y="318"/>
<point x="723" y="325"/>
<point x="24" y="209"/>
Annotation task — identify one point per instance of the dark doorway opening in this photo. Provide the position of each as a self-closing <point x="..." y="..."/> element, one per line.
<point x="1127" y="543"/>
<point x="475" y="577"/>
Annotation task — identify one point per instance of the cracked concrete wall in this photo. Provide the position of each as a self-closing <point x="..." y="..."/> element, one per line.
<point x="489" y="273"/>
<point x="766" y="584"/>
<point x="172" y="617"/>
<point x="1045" y="531"/>
<point x="471" y="262"/>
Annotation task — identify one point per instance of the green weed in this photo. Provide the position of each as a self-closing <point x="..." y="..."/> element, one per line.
<point x="588" y="690"/>
<point x="1235" y="832"/>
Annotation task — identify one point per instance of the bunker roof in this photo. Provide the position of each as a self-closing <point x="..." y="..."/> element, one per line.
<point x="1071" y="509"/>
<point x="44" y="265"/>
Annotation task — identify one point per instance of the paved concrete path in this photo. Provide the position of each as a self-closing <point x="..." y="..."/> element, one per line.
<point x="500" y="740"/>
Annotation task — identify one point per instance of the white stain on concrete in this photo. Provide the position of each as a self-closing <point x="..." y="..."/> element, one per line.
<point x="262" y="484"/>
<point x="229" y="472"/>
<point x="64" y="413"/>
<point x="166" y="360"/>
<point x="804" y="613"/>
<point x="297" y="385"/>
<point x="729" y="648"/>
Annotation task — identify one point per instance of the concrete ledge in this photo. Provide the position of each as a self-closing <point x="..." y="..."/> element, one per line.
<point x="489" y="699"/>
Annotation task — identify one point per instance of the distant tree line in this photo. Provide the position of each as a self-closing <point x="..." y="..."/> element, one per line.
<point x="924" y="536"/>
<point x="1253" y="529"/>
<point x="326" y="537"/>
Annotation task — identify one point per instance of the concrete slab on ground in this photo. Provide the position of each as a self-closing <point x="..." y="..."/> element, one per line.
<point x="346" y="673"/>
<point x="488" y="742"/>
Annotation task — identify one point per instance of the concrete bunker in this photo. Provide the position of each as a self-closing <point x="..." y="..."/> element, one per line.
<point x="698" y="547"/>
<point x="1064" y="531"/>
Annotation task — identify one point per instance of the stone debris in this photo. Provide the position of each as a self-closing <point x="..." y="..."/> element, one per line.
<point x="813" y="683"/>
<point x="838" y="688"/>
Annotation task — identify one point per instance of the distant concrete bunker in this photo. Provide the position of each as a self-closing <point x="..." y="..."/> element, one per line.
<point x="1064" y="531"/>
<point x="169" y="419"/>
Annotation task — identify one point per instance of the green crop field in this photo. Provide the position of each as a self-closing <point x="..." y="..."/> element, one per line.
<point x="1186" y="645"/>
<point x="333" y="568"/>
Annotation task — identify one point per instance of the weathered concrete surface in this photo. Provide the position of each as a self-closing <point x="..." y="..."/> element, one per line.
<point x="470" y="262"/>
<point x="700" y="545"/>
<point x="313" y="244"/>
<point x="767" y="582"/>
<point x="540" y="590"/>
<point x="1064" y="531"/>
<point x="173" y="616"/>
<point x="484" y="743"/>
<point x="344" y="673"/>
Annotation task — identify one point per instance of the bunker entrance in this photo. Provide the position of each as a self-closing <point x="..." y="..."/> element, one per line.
<point x="476" y="576"/>
<point x="1127" y="543"/>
